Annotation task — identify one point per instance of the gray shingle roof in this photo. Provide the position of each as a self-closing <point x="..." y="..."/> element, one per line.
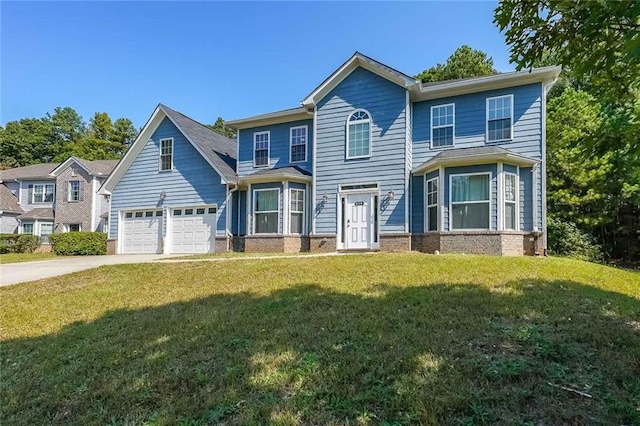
<point x="220" y="150"/>
<point x="99" y="167"/>
<point x="474" y="155"/>
<point x="470" y="152"/>
<point x="8" y="201"/>
<point x="35" y="171"/>
<point x="44" y="213"/>
<point x="278" y="173"/>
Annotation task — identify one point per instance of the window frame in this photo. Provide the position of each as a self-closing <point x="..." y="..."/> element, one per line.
<point x="515" y="202"/>
<point x="510" y="96"/>
<point x="45" y="237"/>
<point x="429" y="206"/>
<point x="255" y="135"/>
<point x="452" y="203"/>
<point x="70" y="191"/>
<point x="255" y="212"/>
<point x="452" y="125"/>
<point x="67" y="227"/>
<point x="33" y="228"/>
<point x="303" y="230"/>
<point x="44" y="193"/>
<point x="161" y="155"/>
<point x="306" y="143"/>
<point x="350" y="123"/>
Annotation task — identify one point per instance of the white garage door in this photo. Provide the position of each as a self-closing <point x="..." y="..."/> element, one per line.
<point x="141" y="231"/>
<point x="193" y="229"/>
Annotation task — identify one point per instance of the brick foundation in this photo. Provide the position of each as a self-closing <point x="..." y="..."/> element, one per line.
<point x="395" y="242"/>
<point x="112" y="246"/>
<point x="505" y="243"/>
<point x="223" y="244"/>
<point x="322" y="243"/>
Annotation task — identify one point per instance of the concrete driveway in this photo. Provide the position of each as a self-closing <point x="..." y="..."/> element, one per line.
<point x="14" y="273"/>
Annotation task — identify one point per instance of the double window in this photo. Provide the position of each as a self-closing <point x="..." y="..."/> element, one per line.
<point x="298" y="139"/>
<point x="499" y="118"/>
<point x="166" y="155"/>
<point x="296" y="211"/>
<point x="510" y="201"/>
<point x="74" y="192"/>
<point x="42" y="193"/>
<point x="432" y="204"/>
<point x="261" y="149"/>
<point x="442" y="125"/>
<point x="266" y="211"/>
<point x="470" y="201"/>
<point x="359" y="134"/>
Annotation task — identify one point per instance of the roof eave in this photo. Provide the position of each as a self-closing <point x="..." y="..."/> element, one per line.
<point x="268" y="119"/>
<point x="509" y="158"/>
<point x="274" y="177"/>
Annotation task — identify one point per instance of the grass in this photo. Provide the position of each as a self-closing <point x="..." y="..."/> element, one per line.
<point x="380" y="339"/>
<point x="237" y="254"/>
<point x="26" y="257"/>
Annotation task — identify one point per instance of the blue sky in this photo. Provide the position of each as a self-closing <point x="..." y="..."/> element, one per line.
<point x="215" y="59"/>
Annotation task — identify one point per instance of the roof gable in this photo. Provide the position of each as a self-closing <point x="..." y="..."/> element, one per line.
<point x="218" y="151"/>
<point x="357" y="60"/>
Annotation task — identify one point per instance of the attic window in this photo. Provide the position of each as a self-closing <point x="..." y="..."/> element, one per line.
<point x="166" y="154"/>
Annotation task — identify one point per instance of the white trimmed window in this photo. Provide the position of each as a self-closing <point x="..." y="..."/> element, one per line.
<point x="470" y="201"/>
<point x="42" y="193"/>
<point x="359" y="134"/>
<point x="432" y="204"/>
<point x="166" y="155"/>
<point x="442" y="125"/>
<point x="261" y="149"/>
<point x="510" y="201"/>
<point x="75" y="227"/>
<point x="499" y="118"/>
<point x="298" y="139"/>
<point x="73" y="190"/>
<point x="266" y="216"/>
<point x="296" y="211"/>
<point x="46" y="229"/>
<point x="27" y="228"/>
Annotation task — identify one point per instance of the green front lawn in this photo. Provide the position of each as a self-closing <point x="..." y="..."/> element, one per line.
<point x="377" y="339"/>
<point x="26" y="257"/>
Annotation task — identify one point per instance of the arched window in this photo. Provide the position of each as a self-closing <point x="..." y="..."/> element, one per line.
<point x="359" y="134"/>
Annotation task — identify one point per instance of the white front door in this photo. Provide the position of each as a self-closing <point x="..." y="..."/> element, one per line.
<point x="359" y="222"/>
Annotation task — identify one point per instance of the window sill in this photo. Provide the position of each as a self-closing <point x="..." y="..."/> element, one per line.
<point x="488" y="142"/>
<point x="360" y="157"/>
<point x="443" y="147"/>
<point x="165" y="171"/>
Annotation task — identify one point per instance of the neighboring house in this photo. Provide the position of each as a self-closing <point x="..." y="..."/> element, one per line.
<point x="372" y="160"/>
<point x="51" y="197"/>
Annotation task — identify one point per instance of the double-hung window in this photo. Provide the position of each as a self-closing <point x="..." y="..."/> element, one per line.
<point x="470" y="201"/>
<point x="432" y="204"/>
<point x="74" y="190"/>
<point x="261" y="149"/>
<point x="499" y="118"/>
<point x="510" y="201"/>
<point x="43" y="193"/>
<point x="266" y="211"/>
<point x="296" y="212"/>
<point x="166" y="155"/>
<point x="27" y="228"/>
<point x="442" y="125"/>
<point x="359" y="134"/>
<point x="298" y="144"/>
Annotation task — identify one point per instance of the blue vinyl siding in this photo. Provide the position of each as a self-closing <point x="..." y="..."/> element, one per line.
<point x="386" y="102"/>
<point x="192" y="181"/>
<point x="239" y="213"/>
<point x="279" y="145"/>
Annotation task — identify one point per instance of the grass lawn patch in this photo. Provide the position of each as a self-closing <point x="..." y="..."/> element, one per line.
<point x="235" y="254"/>
<point x="26" y="257"/>
<point x="377" y="339"/>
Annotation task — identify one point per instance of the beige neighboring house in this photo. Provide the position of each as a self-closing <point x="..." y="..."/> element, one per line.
<point x="54" y="197"/>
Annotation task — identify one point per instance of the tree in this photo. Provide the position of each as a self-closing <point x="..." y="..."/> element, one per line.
<point x="221" y="129"/>
<point x="598" y="40"/>
<point x="101" y="126"/>
<point x="24" y="142"/>
<point x="124" y="133"/>
<point x="464" y="63"/>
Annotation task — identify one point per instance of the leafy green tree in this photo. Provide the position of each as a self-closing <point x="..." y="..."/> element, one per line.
<point x="124" y="133"/>
<point x="598" y="40"/>
<point x="101" y="126"/>
<point x="221" y="129"/>
<point x="24" y="142"/>
<point x="465" y="62"/>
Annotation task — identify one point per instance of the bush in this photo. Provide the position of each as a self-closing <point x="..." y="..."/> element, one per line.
<point x="18" y="243"/>
<point x="79" y="243"/>
<point x="566" y="239"/>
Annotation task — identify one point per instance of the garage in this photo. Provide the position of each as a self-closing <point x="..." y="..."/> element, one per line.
<point x="193" y="229"/>
<point x="141" y="231"/>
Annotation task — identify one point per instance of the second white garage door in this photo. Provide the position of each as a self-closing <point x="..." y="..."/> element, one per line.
<point x="193" y="229"/>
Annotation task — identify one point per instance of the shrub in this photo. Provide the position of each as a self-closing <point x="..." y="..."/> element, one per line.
<point x="18" y="243"/>
<point x="79" y="243"/>
<point x="566" y="239"/>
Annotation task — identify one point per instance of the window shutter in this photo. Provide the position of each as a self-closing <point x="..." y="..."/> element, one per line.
<point x="81" y="191"/>
<point x="66" y="191"/>
<point x="30" y="201"/>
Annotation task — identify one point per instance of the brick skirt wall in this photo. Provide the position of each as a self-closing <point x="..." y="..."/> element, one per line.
<point x="505" y="243"/>
<point x="272" y="243"/>
<point x="395" y="242"/>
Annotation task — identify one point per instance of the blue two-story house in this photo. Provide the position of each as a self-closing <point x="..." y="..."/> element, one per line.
<point x="371" y="160"/>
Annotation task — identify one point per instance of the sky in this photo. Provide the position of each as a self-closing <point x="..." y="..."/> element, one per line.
<point x="211" y="59"/>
